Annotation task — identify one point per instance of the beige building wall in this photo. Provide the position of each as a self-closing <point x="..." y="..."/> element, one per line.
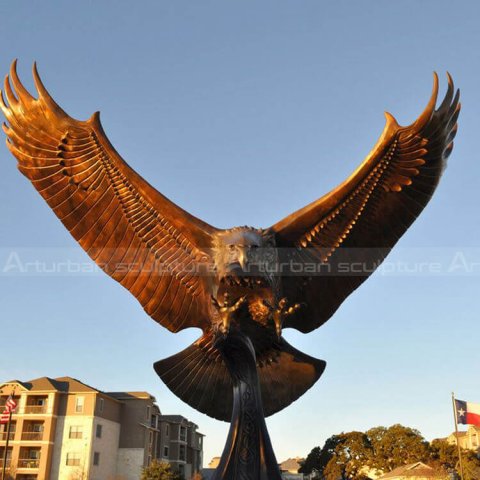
<point x="129" y="462"/>
<point x="106" y="447"/>
<point x="65" y="446"/>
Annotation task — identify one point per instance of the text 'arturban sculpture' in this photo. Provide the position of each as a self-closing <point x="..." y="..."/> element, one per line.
<point x="243" y="285"/>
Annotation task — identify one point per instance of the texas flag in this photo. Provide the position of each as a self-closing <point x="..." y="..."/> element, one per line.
<point x="468" y="413"/>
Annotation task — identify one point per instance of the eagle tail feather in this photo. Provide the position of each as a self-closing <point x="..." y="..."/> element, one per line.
<point x="199" y="377"/>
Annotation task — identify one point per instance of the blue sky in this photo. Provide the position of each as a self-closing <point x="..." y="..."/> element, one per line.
<point x="242" y="112"/>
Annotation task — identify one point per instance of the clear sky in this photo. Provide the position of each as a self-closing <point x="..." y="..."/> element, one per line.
<point x="242" y="112"/>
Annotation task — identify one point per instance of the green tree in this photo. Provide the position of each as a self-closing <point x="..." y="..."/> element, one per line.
<point x="333" y="470"/>
<point x="445" y="457"/>
<point x="350" y="454"/>
<point x="471" y="465"/>
<point x="318" y="458"/>
<point x="342" y="456"/>
<point x="159" y="471"/>
<point x="395" y="446"/>
<point x="312" y="464"/>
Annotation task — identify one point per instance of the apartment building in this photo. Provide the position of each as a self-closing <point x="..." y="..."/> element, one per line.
<point x="181" y="444"/>
<point x="64" y="429"/>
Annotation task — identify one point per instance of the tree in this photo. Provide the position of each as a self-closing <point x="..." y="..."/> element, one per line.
<point x="312" y="464"/>
<point x="471" y="465"/>
<point x="159" y="471"/>
<point x="342" y="456"/>
<point x="318" y="458"/>
<point x="350" y="454"/>
<point x="347" y="456"/>
<point x="445" y="456"/>
<point x="395" y="446"/>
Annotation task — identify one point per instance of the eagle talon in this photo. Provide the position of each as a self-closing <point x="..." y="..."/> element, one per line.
<point x="282" y="311"/>
<point x="227" y="310"/>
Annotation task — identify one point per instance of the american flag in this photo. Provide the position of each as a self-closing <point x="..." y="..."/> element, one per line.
<point x="10" y="406"/>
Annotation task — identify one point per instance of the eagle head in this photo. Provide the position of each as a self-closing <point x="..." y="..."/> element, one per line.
<point x="245" y="259"/>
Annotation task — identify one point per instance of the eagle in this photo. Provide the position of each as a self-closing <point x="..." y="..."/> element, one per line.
<point x="186" y="273"/>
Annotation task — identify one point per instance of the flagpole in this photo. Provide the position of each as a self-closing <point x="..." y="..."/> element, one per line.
<point x="455" y="418"/>
<point x="6" y="445"/>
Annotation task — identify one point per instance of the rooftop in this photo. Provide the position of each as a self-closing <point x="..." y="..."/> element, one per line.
<point x="292" y="464"/>
<point x="414" y="470"/>
<point x="72" y="385"/>
<point x="47" y="384"/>
<point x="132" y="395"/>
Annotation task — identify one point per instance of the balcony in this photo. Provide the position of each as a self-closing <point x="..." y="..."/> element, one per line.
<point x="32" y="436"/>
<point x="7" y="464"/>
<point x="3" y="436"/>
<point x="28" y="463"/>
<point x="36" y="409"/>
<point x="33" y="430"/>
<point x="29" y="457"/>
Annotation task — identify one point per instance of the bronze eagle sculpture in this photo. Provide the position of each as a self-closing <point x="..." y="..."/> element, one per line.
<point x="186" y="273"/>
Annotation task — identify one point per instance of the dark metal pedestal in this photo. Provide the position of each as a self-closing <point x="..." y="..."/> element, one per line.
<point x="248" y="453"/>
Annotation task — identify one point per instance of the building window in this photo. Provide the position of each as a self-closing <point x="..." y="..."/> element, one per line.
<point x="96" y="458"/>
<point x="79" y="403"/>
<point x="167" y="430"/>
<point x="73" y="459"/>
<point x="154" y="422"/>
<point x="165" y="452"/>
<point x="37" y="427"/>
<point x="148" y="413"/>
<point x="100" y="405"/>
<point x="181" y="453"/>
<point x="150" y="439"/>
<point x="98" y="432"/>
<point x="34" y="454"/>
<point x="183" y="434"/>
<point x="75" y="432"/>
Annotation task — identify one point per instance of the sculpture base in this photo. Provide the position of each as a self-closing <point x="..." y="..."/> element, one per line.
<point x="248" y="453"/>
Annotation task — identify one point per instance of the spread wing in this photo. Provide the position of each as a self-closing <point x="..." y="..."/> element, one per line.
<point x="356" y="225"/>
<point x="135" y="234"/>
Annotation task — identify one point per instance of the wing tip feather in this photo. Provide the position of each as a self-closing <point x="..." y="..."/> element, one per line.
<point x="18" y="86"/>
<point x="427" y="113"/>
<point x="43" y="94"/>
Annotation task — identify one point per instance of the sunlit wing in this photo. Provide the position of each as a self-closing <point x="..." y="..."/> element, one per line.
<point x="135" y="234"/>
<point x="359" y="222"/>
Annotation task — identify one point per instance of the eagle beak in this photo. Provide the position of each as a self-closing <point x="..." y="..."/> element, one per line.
<point x="242" y="258"/>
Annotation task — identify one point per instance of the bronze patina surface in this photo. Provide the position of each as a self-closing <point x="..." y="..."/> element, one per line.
<point x="243" y="285"/>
